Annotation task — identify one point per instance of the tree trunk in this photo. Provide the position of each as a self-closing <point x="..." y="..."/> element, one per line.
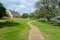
<point x="48" y="19"/>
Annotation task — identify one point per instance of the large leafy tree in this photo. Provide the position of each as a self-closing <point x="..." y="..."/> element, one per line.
<point x="2" y="11"/>
<point x="47" y="8"/>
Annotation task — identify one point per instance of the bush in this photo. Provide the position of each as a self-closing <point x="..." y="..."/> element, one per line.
<point x="55" y="21"/>
<point x="42" y="20"/>
<point x="25" y="15"/>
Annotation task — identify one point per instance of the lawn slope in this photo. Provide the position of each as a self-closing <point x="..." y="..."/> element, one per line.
<point x="16" y="30"/>
<point x="49" y="31"/>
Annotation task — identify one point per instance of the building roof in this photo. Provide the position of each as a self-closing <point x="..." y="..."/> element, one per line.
<point x="14" y="13"/>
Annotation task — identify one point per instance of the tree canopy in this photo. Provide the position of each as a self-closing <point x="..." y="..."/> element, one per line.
<point x="25" y="15"/>
<point x="2" y="10"/>
<point x="47" y="8"/>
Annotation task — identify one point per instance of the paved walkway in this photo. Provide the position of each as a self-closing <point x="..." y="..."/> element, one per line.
<point x="35" y="33"/>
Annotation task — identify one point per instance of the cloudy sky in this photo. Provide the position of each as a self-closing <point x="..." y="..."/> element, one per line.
<point x="19" y="5"/>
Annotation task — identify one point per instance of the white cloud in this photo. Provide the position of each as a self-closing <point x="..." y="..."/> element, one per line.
<point x="22" y="6"/>
<point x="19" y="5"/>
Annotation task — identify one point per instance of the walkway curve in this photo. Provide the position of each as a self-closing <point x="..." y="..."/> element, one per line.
<point x="35" y="33"/>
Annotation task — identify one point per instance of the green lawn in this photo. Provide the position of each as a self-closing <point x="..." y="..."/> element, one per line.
<point x="49" y="31"/>
<point x="17" y="30"/>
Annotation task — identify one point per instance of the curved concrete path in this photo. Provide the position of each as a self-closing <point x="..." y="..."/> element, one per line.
<point x="35" y="33"/>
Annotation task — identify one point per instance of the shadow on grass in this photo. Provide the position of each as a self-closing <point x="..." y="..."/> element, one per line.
<point x="8" y="24"/>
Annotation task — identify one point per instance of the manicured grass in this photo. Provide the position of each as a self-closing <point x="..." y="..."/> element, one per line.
<point x="16" y="30"/>
<point x="49" y="31"/>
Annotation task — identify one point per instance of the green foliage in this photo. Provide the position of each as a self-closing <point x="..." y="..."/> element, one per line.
<point x="48" y="31"/>
<point x="46" y="8"/>
<point x="32" y="16"/>
<point x="2" y="10"/>
<point x="25" y="15"/>
<point x="16" y="30"/>
<point x="56" y="21"/>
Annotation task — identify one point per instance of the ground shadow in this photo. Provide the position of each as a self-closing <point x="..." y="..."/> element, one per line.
<point x="8" y="24"/>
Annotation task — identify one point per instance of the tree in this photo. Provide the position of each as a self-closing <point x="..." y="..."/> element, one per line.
<point x="2" y="11"/>
<point x="25" y="15"/>
<point x="47" y="8"/>
<point x="32" y="15"/>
